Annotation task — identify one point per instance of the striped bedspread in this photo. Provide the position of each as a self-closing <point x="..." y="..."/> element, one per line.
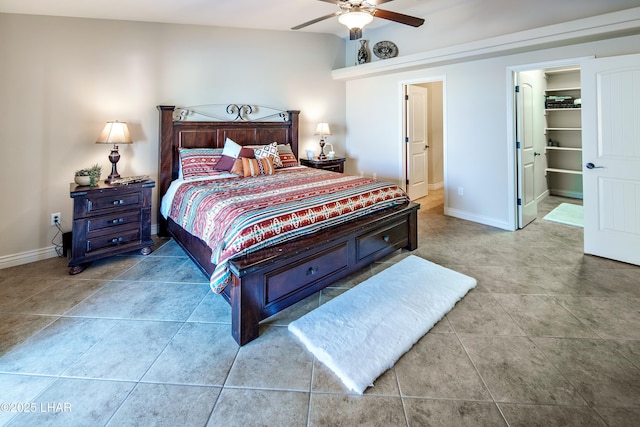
<point x="241" y="215"/>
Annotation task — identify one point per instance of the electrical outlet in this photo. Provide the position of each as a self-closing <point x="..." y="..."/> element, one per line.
<point x="460" y="191"/>
<point x="56" y="218"/>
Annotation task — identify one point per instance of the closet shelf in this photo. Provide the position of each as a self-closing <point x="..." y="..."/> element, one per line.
<point x="562" y="70"/>
<point x="564" y="148"/>
<point x="571" y="171"/>
<point x="563" y="129"/>
<point x="562" y="89"/>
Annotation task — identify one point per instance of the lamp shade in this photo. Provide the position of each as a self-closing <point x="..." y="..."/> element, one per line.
<point x="115" y="133"/>
<point x="323" y="129"/>
<point x="355" y="19"/>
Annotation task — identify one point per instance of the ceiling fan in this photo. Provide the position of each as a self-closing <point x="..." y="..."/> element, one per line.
<point x="355" y="14"/>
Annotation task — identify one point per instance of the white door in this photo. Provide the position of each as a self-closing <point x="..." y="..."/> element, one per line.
<point x="417" y="143"/>
<point x="527" y="202"/>
<point x="611" y="157"/>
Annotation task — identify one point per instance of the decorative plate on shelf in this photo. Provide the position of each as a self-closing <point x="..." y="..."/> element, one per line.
<point x="385" y="49"/>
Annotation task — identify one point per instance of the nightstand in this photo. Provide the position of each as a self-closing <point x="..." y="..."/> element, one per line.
<point x="109" y="220"/>
<point x="335" y="165"/>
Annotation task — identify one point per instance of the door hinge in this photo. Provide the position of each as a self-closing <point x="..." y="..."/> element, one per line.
<point x="518" y="89"/>
<point x="519" y="202"/>
<point x="518" y="145"/>
<point x="407" y="182"/>
<point x="406" y="97"/>
<point x="406" y="139"/>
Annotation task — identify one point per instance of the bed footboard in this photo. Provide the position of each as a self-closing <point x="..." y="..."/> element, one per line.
<point x="272" y="279"/>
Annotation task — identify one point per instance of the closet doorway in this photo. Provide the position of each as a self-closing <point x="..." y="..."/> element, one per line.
<point x="547" y="137"/>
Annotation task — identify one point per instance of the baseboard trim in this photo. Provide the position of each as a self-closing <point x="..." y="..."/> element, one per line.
<point x="542" y="196"/>
<point x="479" y="219"/>
<point x="27" y="257"/>
<point x="436" y="186"/>
<point x="565" y="193"/>
<point x="41" y="254"/>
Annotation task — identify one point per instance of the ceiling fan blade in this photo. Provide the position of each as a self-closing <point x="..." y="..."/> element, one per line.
<point x="377" y="2"/>
<point x="398" y="17"/>
<point x="313" y="21"/>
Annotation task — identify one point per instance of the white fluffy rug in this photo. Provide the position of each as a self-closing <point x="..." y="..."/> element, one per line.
<point x="364" y="331"/>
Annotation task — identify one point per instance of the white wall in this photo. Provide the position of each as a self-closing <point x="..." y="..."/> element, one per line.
<point x="61" y="79"/>
<point x="478" y="150"/>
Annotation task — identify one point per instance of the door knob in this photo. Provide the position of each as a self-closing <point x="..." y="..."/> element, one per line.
<point x="535" y="154"/>
<point x="426" y="146"/>
<point x="592" y="166"/>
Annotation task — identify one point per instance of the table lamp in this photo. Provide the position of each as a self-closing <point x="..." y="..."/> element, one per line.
<point x="114" y="133"/>
<point x="323" y="130"/>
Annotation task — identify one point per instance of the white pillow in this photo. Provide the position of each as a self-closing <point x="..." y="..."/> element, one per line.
<point x="229" y="155"/>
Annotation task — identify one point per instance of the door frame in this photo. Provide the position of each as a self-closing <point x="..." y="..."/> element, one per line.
<point x="402" y="88"/>
<point x="512" y="154"/>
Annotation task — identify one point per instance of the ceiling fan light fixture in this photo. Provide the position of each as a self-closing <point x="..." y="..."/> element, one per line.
<point x="355" y="20"/>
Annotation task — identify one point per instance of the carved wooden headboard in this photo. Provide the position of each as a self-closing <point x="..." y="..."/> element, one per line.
<point x="176" y="132"/>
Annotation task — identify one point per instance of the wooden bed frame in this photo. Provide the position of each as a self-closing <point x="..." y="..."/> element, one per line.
<point x="272" y="279"/>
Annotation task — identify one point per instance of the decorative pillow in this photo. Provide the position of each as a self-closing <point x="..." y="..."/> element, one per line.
<point x="237" y="166"/>
<point x="229" y="155"/>
<point x="270" y="150"/>
<point x="245" y="152"/>
<point x="255" y="167"/>
<point x="287" y="158"/>
<point x="199" y="161"/>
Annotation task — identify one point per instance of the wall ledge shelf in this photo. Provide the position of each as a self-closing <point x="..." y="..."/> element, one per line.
<point x="593" y="28"/>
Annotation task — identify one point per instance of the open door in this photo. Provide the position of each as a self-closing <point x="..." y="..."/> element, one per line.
<point x="611" y="157"/>
<point x="417" y="143"/>
<point x="527" y="202"/>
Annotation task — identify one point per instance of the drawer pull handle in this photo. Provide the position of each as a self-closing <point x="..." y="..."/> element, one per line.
<point x="118" y="202"/>
<point x="385" y="238"/>
<point x="117" y="240"/>
<point x="312" y="271"/>
<point x="118" y="221"/>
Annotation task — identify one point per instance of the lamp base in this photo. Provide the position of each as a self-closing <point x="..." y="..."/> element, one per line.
<point x="114" y="156"/>
<point x="322" y="156"/>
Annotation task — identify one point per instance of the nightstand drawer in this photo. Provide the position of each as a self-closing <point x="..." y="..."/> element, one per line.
<point x="333" y="165"/>
<point x="113" y="201"/>
<point x="112" y="220"/>
<point x="333" y="168"/>
<point x="110" y="240"/>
